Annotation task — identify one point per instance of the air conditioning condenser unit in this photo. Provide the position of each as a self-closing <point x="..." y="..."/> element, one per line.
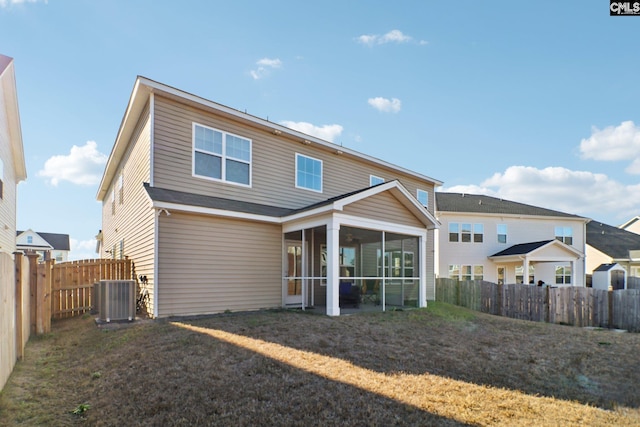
<point x="116" y="300"/>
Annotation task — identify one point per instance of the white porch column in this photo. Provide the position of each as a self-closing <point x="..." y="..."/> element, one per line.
<point x="573" y="273"/>
<point x="422" y="289"/>
<point x="525" y="273"/>
<point x="333" y="268"/>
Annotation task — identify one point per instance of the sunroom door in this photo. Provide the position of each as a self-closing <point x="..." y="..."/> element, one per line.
<point x="294" y="274"/>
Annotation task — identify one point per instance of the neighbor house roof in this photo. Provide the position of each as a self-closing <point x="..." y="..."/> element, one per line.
<point x="522" y="248"/>
<point x="140" y="95"/>
<point x="607" y="267"/>
<point x="478" y="203"/>
<point x="59" y="242"/>
<point x="8" y="82"/>
<point x="611" y="240"/>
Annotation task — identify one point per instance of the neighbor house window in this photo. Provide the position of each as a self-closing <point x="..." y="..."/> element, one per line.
<point x="375" y="180"/>
<point x="465" y="232"/>
<point x="29" y="240"/>
<point x="221" y="156"/>
<point x="454" y="229"/>
<point x="478" y="272"/>
<point x="502" y="233"/>
<point x="565" y="235"/>
<point x="478" y="233"/>
<point x="465" y="272"/>
<point x="454" y="271"/>
<point x="563" y="275"/>
<point x="308" y="173"/>
<point x="423" y="197"/>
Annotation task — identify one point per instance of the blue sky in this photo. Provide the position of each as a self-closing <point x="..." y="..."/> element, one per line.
<point x="535" y="102"/>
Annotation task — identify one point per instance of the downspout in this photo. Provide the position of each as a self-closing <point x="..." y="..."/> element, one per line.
<point x="157" y="214"/>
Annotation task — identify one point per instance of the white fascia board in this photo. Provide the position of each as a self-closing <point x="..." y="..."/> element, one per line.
<point x="441" y="214"/>
<point x="373" y="224"/>
<point x="216" y="212"/>
<point x="136" y="103"/>
<point x="312" y="212"/>
<point x="8" y="79"/>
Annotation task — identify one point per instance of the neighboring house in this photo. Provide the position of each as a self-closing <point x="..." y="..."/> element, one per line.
<point x="607" y="244"/>
<point x="49" y="245"/>
<point x="12" y="171"/>
<point x="221" y="210"/>
<point x="633" y="225"/>
<point x="492" y="239"/>
<point x="12" y="164"/>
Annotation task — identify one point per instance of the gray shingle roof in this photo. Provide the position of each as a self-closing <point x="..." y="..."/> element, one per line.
<point x="477" y="203"/>
<point x="58" y="241"/>
<point x="522" y="248"/>
<point x="611" y="240"/>
<point x="190" y="199"/>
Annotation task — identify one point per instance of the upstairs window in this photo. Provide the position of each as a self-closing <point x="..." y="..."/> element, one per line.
<point x="454" y="229"/>
<point x="466" y="233"/>
<point x="29" y="240"/>
<point x="478" y="233"/>
<point x="502" y="233"/>
<point x="221" y="156"/>
<point x="308" y="173"/>
<point x="423" y="197"/>
<point x="565" y="235"/>
<point x="375" y="180"/>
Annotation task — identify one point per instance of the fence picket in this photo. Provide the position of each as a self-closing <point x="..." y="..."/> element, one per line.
<point x="568" y="305"/>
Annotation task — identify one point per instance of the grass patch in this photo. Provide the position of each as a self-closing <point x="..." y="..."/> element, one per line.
<point x="443" y="365"/>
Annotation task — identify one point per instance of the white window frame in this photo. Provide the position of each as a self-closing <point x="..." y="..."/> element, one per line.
<point x="420" y="192"/>
<point x="564" y="233"/>
<point x="298" y="156"/>
<point x="564" y="276"/>
<point x="373" y="178"/>
<point x="223" y="156"/>
<point x="506" y="233"/>
<point x="476" y="228"/>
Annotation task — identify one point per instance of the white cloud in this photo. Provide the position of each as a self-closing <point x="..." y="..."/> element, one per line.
<point x="576" y="192"/>
<point x="393" y="36"/>
<point x="385" y="105"/>
<point x="82" y="249"/>
<point x="82" y="166"/>
<point x="326" y="132"/>
<point x="614" y="144"/>
<point x="6" y="3"/>
<point x="265" y="65"/>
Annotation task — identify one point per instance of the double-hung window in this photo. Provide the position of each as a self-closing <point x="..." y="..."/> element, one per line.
<point x="565" y="235"/>
<point x="563" y="275"/>
<point x="308" y="173"/>
<point x="221" y="156"/>
<point x="502" y="233"/>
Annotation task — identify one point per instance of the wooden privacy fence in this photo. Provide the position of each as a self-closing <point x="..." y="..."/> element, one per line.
<point x="72" y="283"/>
<point x="568" y="305"/>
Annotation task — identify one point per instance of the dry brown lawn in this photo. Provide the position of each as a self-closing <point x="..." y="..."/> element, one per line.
<point x="438" y="366"/>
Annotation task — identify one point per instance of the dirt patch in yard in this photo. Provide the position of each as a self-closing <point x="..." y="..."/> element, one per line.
<point x="443" y="365"/>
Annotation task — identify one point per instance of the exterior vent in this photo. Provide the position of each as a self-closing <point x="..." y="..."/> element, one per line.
<point x="116" y="300"/>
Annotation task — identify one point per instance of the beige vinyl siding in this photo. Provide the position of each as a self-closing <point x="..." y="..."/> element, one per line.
<point x="134" y="218"/>
<point x="273" y="162"/>
<point x="209" y="264"/>
<point x="8" y="201"/>
<point x="383" y="207"/>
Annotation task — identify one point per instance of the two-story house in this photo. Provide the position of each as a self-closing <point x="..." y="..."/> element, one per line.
<point x="53" y="246"/>
<point x="222" y="210"/>
<point x="12" y="171"/>
<point x="607" y="244"/>
<point x="497" y="240"/>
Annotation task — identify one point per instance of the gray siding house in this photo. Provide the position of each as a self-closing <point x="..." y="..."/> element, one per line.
<point x="222" y="210"/>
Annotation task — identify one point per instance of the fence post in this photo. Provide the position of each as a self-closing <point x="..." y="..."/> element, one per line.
<point x="547" y="304"/>
<point x="610" y="310"/>
<point x="17" y="256"/>
<point x="33" y="289"/>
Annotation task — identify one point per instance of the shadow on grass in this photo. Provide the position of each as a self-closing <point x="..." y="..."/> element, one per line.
<point x="423" y="398"/>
